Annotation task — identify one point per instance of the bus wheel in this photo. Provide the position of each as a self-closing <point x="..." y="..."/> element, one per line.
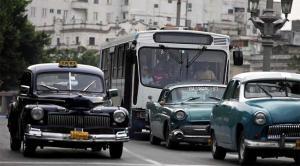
<point x="154" y="140"/>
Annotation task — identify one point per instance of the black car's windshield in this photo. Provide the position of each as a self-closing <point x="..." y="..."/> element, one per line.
<point x="68" y="81"/>
<point x="162" y="66"/>
<point x="272" y="88"/>
<point x="195" y="94"/>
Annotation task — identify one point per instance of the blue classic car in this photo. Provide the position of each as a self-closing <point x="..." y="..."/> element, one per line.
<point x="182" y="113"/>
<point x="259" y="115"/>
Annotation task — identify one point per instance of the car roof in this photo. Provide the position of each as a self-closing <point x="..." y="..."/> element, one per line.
<point x="54" y="67"/>
<point x="254" y="76"/>
<point x="188" y="84"/>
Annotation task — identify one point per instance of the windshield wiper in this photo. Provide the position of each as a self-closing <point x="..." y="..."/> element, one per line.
<point x="49" y="87"/>
<point x="266" y="92"/>
<point x="89" y="85"/>
<point x="190" y="99"/>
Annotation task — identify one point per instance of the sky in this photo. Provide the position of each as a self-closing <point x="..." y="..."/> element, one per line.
<point x="295" y="14"/>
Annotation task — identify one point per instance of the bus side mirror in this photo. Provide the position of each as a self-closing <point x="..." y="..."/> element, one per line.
<point x="238" y="58"/>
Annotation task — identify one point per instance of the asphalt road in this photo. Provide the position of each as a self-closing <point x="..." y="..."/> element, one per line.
<point x="136" y="153"/>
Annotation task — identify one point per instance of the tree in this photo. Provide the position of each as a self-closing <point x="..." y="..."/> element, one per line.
<point x="82" y="56"/>
<point x="20" y="45"/>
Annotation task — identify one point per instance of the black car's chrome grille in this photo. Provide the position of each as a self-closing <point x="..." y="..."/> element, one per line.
<point x="78" y="121"/>
<point x="286" y="130"/>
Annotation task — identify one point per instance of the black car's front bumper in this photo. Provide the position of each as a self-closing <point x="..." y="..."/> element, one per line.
<point x="44" y="138"/>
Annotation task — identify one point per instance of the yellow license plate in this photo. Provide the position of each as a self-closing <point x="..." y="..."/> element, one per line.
<point x="81" y="135"/>
<point x="297" y="144"/>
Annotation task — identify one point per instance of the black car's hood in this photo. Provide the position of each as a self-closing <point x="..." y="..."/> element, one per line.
<point x="72" y="100"/>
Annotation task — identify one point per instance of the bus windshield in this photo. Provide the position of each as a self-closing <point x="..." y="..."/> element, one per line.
<point x="162" y="66"/>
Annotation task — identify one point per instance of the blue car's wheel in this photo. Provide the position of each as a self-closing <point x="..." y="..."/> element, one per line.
<point x="218" y="152"/>
<point x="246" y="156"/>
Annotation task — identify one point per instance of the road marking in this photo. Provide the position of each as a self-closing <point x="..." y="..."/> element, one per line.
<point x="85" y="163"/>
<point x="143" y="157"/>
<point x="69" y="163"/>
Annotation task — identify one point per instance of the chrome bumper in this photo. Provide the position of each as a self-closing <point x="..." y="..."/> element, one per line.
<point x="34" y="133"/>
<point x="269" y="144"/>
<point x="178" y="135"/>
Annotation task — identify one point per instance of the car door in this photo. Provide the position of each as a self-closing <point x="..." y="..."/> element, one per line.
<point x="155" y="114"/>
<point x="221" y="114"/>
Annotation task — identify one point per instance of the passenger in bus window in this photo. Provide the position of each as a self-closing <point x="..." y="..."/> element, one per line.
<point x="161" y="74"/>
<point x="204" y="73"/>
<point x="147" y="76"/>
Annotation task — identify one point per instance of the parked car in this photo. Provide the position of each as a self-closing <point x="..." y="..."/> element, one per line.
<point x="258" y="115"/>
<point x="182" y="113"/>
<point x="66" y="105"/>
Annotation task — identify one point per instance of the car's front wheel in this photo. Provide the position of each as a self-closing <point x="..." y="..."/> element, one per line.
<point x="246" y="156"/>
<point x="218" y="153"/>
<point x="154" y="140"/>
<point x="15" y="144"/>
<point x="116" y="150"/>
<point x="29" y="149"/>
<point x="297" y="157"/>
<point x="170" y="144"/>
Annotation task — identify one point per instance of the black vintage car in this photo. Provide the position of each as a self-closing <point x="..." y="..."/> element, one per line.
<point x="66" y="105"/>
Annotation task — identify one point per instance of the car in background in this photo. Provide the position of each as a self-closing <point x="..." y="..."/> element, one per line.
<point x="259" y="115"/>
<point x="66" y="105"/>
<point x="182" y="113"/>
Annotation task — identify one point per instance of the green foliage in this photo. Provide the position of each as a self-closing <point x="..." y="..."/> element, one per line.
<point x="81" y="55"/>
<point x="20" y="45"/>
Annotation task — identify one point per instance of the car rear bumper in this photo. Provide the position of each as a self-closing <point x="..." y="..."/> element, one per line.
<point x="37" y="134"/>
<point x="269" y="144"/>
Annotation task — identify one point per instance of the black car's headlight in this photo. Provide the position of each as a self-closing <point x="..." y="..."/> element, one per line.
<point x="37" y="113"/>
<point x="260" y="118"/>
<point x="119" y="116"/>
<point x="180" y="115"/>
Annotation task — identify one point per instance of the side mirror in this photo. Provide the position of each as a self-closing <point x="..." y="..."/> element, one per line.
<point x="238" y="58"/>
<point x="24" y="89"/>
<point x="112" y="93"/>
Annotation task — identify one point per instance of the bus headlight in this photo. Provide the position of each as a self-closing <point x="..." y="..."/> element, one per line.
<point x="37" y="113"/>
<point x="260" y="118"/>
<point x="119" y="116"/>
<point x="180" y="115"/>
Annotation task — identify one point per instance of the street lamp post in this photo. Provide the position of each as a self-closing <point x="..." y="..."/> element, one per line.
<point x="268" y="24"/>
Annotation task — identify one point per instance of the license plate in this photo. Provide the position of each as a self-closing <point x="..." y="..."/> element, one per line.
<point x="297" y="144"/>
<point x="80" y="135"/>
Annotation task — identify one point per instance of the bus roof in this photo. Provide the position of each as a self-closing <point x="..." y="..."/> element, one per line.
<point x="145" y="34"/>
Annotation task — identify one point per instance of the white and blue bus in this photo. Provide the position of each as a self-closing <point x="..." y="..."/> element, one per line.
<point x="140" y="65"/>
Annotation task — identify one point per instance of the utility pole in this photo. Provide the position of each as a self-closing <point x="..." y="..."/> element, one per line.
<point x="178" y="13"/>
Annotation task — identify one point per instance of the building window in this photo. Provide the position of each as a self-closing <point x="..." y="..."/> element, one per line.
<point x="58" y="41"/>
<point x="77" y="40"/>
<point x="95" y="16"/>
<point x="32" y="11"/>
<point x="189" y="7"/>
<point x="155" y="23"/>
<point x="108" y="17"/>
<point x="155" y="5"/>
<point x="51" y="10"/>
<point x="44" y="12"/>
<point x="230" y="11"/>
<point x="109" y="2"/>
<point x="96" y="1"/>
<point x="65" y="14"/>
<point x="170" y="1"/>
<point x="58" y="11"/>
<point x="125" y="15"/>
<point x="126" y="2"/>
<point x="92" y="41"/>
<point x="67" y="40"/>
<point x="169" y="19"/>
